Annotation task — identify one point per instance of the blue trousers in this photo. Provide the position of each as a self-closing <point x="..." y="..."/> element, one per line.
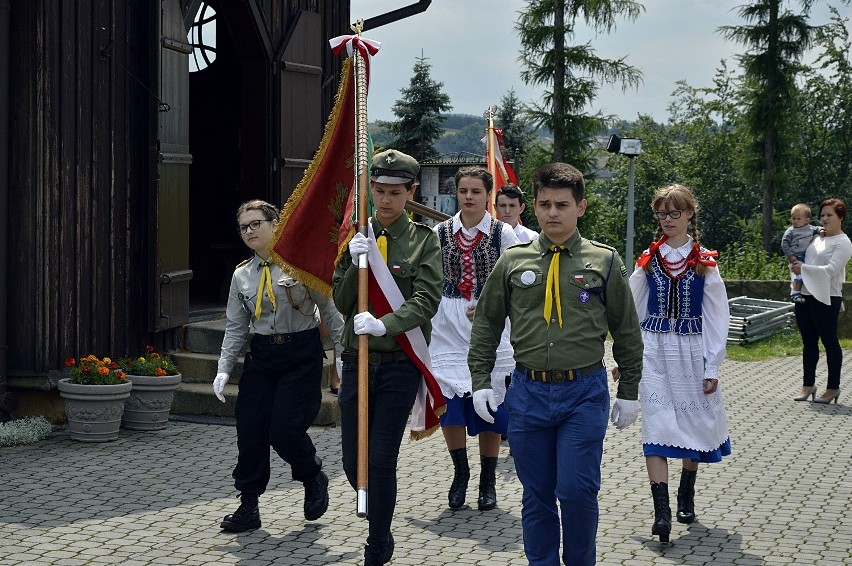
<point x="392" y="389"/>
<point x="556" y="432"/>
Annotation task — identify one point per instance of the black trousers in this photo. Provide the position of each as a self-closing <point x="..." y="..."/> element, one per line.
<point x="818" y="321"/>
<point x="392" y="390"/>
<point x="279" y="398"/>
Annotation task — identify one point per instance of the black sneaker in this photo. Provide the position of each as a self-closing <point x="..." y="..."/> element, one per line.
<point x="246" y="518"/>
<point x="316" y="497"/>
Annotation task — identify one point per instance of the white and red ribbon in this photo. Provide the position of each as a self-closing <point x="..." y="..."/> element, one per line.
<point x="367" y="47"/>
<point x="386" y="297"/>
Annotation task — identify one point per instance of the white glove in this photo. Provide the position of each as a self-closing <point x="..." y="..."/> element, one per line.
<point x="624" y="413"/>
<point x="219" y="385"/>
<point x="482" y="401"/>
<point x="358" y="245"/>
<point x="366" y="323"/>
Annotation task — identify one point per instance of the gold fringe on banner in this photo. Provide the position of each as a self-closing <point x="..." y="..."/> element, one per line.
<point x="289" y="207"/>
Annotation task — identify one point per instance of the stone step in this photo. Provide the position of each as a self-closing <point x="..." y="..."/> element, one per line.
<point x="198" y="399"/>
<point x="202" y="368"/>
<point x="197" y="362"/>
<point x="206" y="337"/>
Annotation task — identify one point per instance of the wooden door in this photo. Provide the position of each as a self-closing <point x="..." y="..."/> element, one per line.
<point x="300" y="95"/>
<point x="169" y="220"/>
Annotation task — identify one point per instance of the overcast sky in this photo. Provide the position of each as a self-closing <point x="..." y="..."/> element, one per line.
<point x="473" y="48"/>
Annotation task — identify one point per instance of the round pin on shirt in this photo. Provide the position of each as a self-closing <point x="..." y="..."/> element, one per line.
<point x="527" y="277"/>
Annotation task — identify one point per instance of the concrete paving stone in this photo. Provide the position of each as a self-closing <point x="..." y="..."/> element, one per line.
<point x="754" y="507"/>
<point x="23" y="557"/>
<point x="58" y="555"/>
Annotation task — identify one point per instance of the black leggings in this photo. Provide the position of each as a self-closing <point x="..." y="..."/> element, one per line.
<point x="818" y="321"/>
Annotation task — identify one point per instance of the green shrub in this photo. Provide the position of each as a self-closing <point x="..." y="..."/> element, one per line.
<point x="24" y="431"/>
<point x="749" y="261"/>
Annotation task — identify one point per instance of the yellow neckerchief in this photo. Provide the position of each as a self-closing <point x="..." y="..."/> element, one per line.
<point x="551" y="293"/>
<point x="382" y="243"/>
<point x="265" y="285"/>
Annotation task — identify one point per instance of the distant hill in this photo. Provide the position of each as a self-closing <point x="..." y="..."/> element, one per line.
<point x="462" y="133"/>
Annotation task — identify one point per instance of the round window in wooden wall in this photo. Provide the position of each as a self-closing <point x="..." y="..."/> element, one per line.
<point x="202" y="37"/>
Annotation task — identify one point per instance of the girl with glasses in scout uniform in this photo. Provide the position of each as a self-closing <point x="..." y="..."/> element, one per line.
<point x="279" y="391"/>
<point x="682" y="307"/>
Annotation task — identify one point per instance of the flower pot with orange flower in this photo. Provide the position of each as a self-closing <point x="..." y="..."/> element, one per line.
<point x="154" y="379"/>
<point x="94" y="395"/>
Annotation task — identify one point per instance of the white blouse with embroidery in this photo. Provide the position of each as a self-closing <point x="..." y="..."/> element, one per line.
<point x="451" y="331"/>
<point x="675" y="410"/>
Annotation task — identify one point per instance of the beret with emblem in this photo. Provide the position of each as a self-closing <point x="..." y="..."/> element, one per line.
<point x="394" y="167"/>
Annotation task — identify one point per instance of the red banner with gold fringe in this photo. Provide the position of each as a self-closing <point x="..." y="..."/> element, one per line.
<point x="315" y="223"/>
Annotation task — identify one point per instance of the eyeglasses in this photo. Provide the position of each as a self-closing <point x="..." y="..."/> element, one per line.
<point x="254" y="226"/>
<point x="675" y="214"/>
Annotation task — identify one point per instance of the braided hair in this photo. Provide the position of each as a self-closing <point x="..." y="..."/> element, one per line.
<point x="679" y="197"/>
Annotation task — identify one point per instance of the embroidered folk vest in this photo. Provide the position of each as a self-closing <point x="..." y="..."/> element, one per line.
<point x="674" y="305"/>
<point x="484" y="256"/>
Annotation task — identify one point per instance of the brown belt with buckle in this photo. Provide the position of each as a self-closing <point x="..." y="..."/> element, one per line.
<point x="285" y="338"/>
<point x="558" y="375"/>
<point x="374" y="358"/>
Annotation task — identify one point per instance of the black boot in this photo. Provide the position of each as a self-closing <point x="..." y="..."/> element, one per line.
<point x="662" y="511"/>
<point x="458" y="489"/>
<point x="246" y="517"/>
<point x="686" y="497"/>
<point x="379" y="556"/>
<point x="316" y="497"/>
<point x="487" y="483"/>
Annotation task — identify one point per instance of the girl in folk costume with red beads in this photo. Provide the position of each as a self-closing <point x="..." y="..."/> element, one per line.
<point x="471" y="242"/>
<point x="683" y="311"/>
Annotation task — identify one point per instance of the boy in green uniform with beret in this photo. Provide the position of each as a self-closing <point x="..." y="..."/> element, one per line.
<point x="413" y="257"/>
<point x="563" y="294"/>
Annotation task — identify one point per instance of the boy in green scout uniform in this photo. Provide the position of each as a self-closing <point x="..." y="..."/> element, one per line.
<point x="413" y="256"/>
<point x="562" y="293"/>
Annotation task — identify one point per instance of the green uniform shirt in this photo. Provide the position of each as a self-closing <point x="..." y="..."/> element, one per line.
<point x="414" y="259"/>
<point x="595" y="298"/>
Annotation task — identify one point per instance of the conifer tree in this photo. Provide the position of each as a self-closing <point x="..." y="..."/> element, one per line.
<point x="419" y="123"/>
<point x="518" y="132"/>
<point x="573" y="73"/>
<point x="776" y="39"/>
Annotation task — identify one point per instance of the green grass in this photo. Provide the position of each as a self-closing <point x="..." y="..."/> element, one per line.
<point x="788" y="343"/>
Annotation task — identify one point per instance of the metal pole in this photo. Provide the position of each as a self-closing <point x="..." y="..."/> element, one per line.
<point x="628" y="252"/>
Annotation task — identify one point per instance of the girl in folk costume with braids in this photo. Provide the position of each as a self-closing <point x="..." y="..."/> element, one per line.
<point x="471" y="242"/>
<point x="683" y="311"/>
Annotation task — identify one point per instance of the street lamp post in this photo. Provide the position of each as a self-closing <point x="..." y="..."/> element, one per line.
<point x="631" y="147"/>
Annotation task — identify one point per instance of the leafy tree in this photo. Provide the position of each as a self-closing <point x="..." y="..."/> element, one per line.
<point x="573" y="72"/>
<point x="419" y="123"/>
<point x="776" y="39"/>
<point x="696" y="147"/>
<point x="823" y="115"/>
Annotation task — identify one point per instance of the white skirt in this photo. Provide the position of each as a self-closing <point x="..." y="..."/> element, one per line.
<point x="675" y="410"/>
<point x="450" y="344"/>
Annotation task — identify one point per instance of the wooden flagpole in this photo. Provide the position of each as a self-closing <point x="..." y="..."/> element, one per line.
<point x="490" y="144"/>
<point x="362" y="183"/>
